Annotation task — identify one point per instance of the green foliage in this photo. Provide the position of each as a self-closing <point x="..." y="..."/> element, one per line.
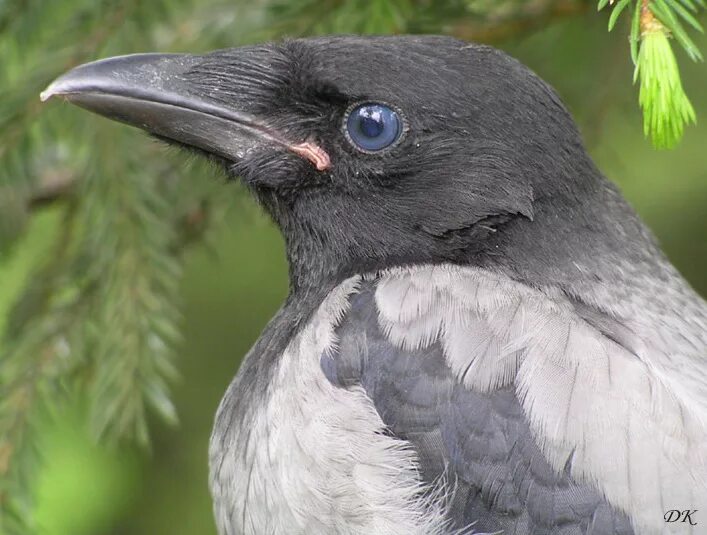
<point x="97" y="315"/>
<point x="100" y="312"/>
<point x="666" y="108"/>
<point x="70" y="478"/>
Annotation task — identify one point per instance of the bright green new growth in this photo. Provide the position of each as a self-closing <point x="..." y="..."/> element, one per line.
<point x="666" y="108"/>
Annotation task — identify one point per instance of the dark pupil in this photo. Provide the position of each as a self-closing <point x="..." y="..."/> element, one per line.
<point x="371" y="124"/>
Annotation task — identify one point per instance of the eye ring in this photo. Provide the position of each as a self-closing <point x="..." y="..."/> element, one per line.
<point x="372" y="127"/>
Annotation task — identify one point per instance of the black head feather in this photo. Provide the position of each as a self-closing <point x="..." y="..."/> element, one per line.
<point x="490" y="170"/>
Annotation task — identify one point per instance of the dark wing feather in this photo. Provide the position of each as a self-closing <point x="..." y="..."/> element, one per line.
<point x="480" y="441"/>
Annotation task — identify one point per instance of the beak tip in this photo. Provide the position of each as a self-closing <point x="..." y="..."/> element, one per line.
<point x="100" y="76"/>
<point x="52" y="90"/>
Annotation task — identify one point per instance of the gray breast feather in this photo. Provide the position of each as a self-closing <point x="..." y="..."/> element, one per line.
<point x="480" y="441"/>
<point x="538" y="401"/>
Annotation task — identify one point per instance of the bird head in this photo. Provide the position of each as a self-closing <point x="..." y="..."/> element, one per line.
<point x="368" y="152"/>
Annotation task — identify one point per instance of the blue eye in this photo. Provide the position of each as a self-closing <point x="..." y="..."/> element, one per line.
<point x="373" y="127"/>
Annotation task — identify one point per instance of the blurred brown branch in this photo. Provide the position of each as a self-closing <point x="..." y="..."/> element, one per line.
<point x="52" y="186"/>
<point x="529" y="17"/>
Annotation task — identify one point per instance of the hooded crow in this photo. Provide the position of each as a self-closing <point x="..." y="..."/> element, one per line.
<point x="480" y="334"/>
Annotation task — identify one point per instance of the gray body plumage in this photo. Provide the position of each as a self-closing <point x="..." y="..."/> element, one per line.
<point x="446" y="399"/>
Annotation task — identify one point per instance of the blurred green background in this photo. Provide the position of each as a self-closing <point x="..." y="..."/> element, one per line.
<point x="234" y="272"/>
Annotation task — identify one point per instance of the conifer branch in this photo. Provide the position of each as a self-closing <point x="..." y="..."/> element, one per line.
<point x="666" y="107"/>
<point x="136" y="277"/>
<point x="101" y="316"/>
<point x="32" y="362"/>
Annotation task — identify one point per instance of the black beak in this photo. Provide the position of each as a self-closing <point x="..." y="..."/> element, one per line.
<point x="149" y="91"/>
